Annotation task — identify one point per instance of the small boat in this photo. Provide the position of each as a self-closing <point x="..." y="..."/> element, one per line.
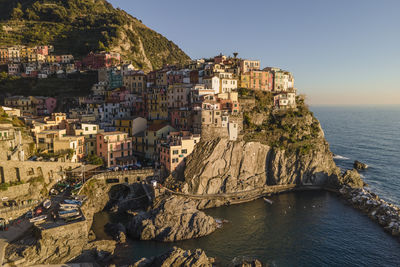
<point x="68" y="213"/>
<point x="47" y="204"/>
<point x="73" y="202"/>
<point x="81" y="198"/>
<point x="268" y="200"/>
<point x="38" y="218"/>
<point x="38" y="211"/>
<point x="64" y="206"/>
<point x="73" y="218"/>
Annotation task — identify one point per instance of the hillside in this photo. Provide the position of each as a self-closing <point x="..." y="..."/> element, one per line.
<point x="80" y="26"/>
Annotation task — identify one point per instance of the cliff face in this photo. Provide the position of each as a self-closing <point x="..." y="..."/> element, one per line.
<point x="274" y="148"/>
<point x="223" y="166"/>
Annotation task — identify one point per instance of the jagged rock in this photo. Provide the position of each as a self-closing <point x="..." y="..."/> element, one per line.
<point x="359" y="165"/>
<point x="97" y="252"/>
<point x="177" y="257"/>
<point x="223" y="166"/>
<point x="352" y="178"/>
<point x="250" y="263"/>
<point x="176" y="218"/>
<point x="56" y="245"/>
<point x="385" y="214"/>
<point x="91" y="236"/>
<point x="117" y="231"/>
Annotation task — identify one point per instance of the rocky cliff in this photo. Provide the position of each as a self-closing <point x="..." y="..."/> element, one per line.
<point x="176" y="218"/>
<point x="177" y="257"/>
<point x="274" y="148"/>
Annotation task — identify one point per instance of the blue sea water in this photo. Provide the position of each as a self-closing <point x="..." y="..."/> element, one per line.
<point x="308" y="228"/>
<point x="370" y="135"/>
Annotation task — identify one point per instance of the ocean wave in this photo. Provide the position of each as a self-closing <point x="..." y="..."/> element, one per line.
<point x="340" y="157"/>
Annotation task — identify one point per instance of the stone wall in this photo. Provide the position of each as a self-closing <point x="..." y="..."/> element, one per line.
<point x="15" y="191"/>
<point x="11" y="171"/>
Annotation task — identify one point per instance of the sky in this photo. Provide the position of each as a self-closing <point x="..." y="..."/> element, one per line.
<point x="341" y="52"/>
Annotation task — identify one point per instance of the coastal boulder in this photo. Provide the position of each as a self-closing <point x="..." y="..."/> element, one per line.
<point x="359" y="165"/>
<point x="117" y="231"/>
<point x="177" y="257"/>
<point x="176" y="218"/>
<point x="250" y="263"/>
<point x="352" y="178"/>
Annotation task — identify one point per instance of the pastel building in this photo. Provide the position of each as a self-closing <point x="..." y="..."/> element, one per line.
<point x="176" y="148"/>
<point x="285" y="100"/>
<point x="247" y="65"/>
<point x="131" y="126"/>
<point x="115" y="148"/>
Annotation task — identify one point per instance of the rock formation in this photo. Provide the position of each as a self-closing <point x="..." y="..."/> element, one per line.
<point x="352" y="178"/>
<point x="117" y="231"/>
<point x="250" y="263"/>
<point x="386" y="214"/>
<point x="359" y="165"/>
<point x="177" y="257"/>
<point x="223" y="166"/>
<point x="174" y="219"/>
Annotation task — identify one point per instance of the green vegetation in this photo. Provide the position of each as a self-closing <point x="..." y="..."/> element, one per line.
<point x="5" y="186"/>
<point x="293" y="130"/>
<point x="65" y="153"/>
<point x="80" y="26"/>
<point x="5" y="119"/>
<point x="78" y="84"/>
<point x="95" y="160"/>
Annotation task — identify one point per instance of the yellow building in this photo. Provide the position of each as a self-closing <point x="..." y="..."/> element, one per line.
<point x="154" y="133"/>
<point x="131" y="126"/>
<point x="135" y="82"/>
<point x="157" y="104"/>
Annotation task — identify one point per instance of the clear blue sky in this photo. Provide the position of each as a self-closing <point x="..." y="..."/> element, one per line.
<point x="340" y="51"/>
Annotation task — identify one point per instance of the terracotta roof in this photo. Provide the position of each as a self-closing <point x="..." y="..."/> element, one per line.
<point x="157" y="126"/>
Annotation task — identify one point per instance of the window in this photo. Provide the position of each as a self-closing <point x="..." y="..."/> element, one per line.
<point x="175" y="152"/>
<point x="184" y="151"/>
<point x="86" y="128"/>
<point x="111" y="155"/>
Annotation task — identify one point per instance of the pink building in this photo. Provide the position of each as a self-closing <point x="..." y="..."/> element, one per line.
<point x="42" y="50"/>
<point x="180" y="118"/>
<point x="50" y="104"/>
<point x="174" y="77"/>
<point x="229" y="105"/>
<point x="101" y="60"/>
<point x="115" y="148"/>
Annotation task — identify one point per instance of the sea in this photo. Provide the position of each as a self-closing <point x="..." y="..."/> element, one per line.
<point x="307" y="228"/>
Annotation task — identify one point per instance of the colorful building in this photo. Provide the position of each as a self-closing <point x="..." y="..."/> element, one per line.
<point x="131" y="126"/>
<point x="115" y="148"/>
<point x="176" y="147"/>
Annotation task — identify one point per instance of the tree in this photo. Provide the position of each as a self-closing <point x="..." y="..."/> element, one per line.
<point x="101" y="46"/>
<point x="95" y="160"/>
<point x="235" y="54"/>
<point x="17" y="13"/>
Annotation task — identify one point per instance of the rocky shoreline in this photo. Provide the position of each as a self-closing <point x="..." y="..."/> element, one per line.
<point x="385" y="214"/>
